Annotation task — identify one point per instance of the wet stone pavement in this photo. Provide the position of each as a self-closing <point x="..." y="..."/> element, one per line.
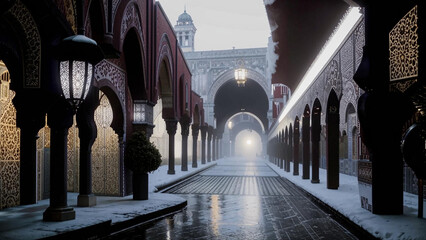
<point x="241" y="199"/>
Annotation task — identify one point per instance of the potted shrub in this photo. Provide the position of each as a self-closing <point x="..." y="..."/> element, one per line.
<point x="142" y="157"/>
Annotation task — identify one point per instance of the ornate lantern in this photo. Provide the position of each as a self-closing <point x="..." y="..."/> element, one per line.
<point x="241" y="74"/>
<point x="77" y="56"/>
<point x="142" y="112"/>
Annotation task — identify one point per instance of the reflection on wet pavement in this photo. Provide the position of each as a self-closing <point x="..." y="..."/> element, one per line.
<point x="216" y="213"/>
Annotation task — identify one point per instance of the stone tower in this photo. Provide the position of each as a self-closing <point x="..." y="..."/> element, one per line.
<point x="185" y="31"/>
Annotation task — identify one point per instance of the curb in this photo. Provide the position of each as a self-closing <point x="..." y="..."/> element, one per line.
<point x="107" y="228"/>
<point x="179" y="179"/>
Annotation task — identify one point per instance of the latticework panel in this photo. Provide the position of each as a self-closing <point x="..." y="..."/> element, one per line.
<point x="73" y="158"/>
<point x="105" y="152"/>
<point x="403" y="47"/>
<point x="43" y="146"/>
<point x="9" y="152"/>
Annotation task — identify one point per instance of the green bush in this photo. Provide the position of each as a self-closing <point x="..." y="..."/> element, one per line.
<point x="140" y="155"/>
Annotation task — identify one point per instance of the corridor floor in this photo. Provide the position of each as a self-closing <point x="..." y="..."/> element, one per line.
<point x="241" y="199"/>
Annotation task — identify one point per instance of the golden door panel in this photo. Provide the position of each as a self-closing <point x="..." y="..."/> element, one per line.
<point x="43" y="162"/>
<point x="105" y="152"/>
<point x="9" y="148"/>
<point x="73" y="158"/>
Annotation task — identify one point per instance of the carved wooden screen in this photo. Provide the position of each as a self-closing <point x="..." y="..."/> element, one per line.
<point x="73" y="158"/>
<point x="43" y="163"/>
<point x="105" y="152"/>
<point x="404" y="52"/>
<point x="9" y="147"/>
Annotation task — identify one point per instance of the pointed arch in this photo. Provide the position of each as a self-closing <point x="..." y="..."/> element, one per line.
<point x="196" y="115"/>
<point x="164" y="78"/>
<point x="135" y="65"/>
<point x="95" y="23"/>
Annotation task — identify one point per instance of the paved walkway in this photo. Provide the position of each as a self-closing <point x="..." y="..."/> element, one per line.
<point x="242" y="199"/>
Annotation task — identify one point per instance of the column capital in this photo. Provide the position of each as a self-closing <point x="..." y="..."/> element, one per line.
<point x="171" y="126"/>
<point x="195" y="130"/>
<point x="60" y="115"/>
<point x="185" y="122"/>
<point x="203" y="130"/>
<point x="210" y="133"/>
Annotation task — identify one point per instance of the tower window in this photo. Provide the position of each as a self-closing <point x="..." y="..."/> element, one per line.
<point x="186" y="41"/>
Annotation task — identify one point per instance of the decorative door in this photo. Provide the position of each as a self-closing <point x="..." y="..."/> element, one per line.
<point x="105" y="152"/>
<point x="9" y="146"/>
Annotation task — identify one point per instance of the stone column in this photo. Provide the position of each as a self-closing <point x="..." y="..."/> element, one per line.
<point x="185" y="121"/>
<point x="315" y="132"/>
<point x="306" y="147"/>
<point x="171" y="127"/>
<point x="214" y="145"/>
<point x="287" y="152"/>
<point x="203" y="144"/>
<point x="218" y="145"/>
<point x="281" y="150"/>
<point x="30" y="119"/>
<point x="87" y="133"/>
<point x="60" y="119"/>
<point x="209" y="146"/>
<point x="296" y="139"/>
<point x="195" y="130"/>
<point x="382" y="113"/>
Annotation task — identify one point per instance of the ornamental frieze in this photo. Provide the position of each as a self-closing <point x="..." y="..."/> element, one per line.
<point x="114" y="74"/>
<point x="32" y="45"/>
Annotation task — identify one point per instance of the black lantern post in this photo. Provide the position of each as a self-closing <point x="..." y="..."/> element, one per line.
<point x="77" y="56"/>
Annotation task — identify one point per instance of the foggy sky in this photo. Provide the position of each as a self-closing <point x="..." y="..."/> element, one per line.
<point x="223" y="24"/>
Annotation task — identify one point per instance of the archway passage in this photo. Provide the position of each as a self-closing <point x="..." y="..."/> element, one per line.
<point x="238" y="123"/>
<point x="231" y="99"/>
<point x="248" y="144"/>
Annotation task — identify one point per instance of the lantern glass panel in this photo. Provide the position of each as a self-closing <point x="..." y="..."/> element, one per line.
<point x="89" y="79"/>
<point x="139" y="113"/>
<point x="65" y="78"/>
<point x="78" y="78"/>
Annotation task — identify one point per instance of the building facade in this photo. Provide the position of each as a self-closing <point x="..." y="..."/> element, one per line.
<point x="46" y="149"/>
